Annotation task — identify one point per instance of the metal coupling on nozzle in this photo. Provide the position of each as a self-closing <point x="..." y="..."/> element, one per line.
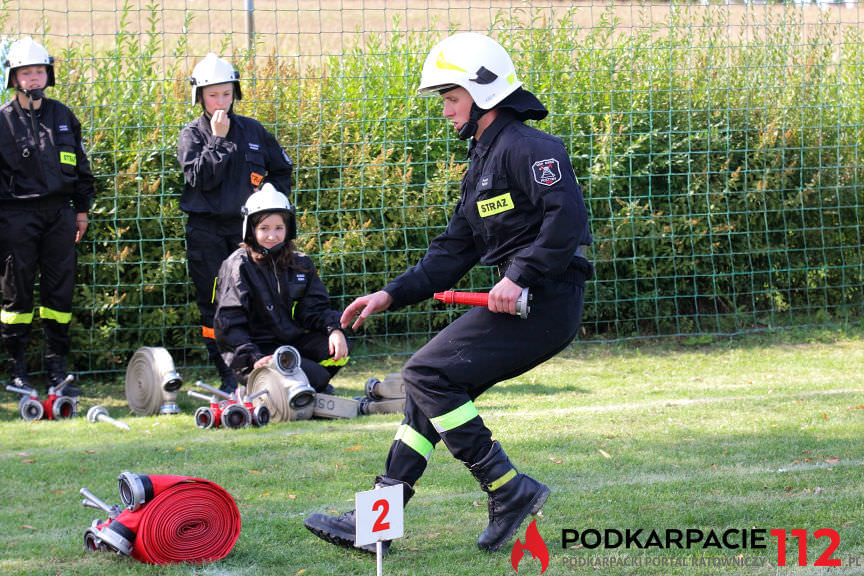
<point x="171" y="381"/>
<point x="135" y="489"/>
<point x="91" y="501"/>
<point x="286" y="359"/>
<point x="236" y="416"/>
<point x="523" y="303"/>
<point x="100" y="414"/>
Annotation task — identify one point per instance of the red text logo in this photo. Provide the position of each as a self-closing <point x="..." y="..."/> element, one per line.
<point x="824" y="559"/>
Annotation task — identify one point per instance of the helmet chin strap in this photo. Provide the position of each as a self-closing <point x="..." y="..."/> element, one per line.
<point x="269" y="251"/>
<point x="470" y="127"/>
<point x="36" y="94"/>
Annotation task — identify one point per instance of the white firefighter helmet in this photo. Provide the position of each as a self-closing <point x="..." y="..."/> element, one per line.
<point x="473" y="61"/>
<point x="214" y="70"/>
<point x="267" y="199"/>
<point x="26" y="52"/>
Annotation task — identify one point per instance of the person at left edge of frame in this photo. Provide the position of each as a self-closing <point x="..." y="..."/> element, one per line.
<point x="46" y="187"/>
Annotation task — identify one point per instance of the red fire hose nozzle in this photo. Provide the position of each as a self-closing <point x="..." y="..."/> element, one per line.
<point x="523" y="306"/>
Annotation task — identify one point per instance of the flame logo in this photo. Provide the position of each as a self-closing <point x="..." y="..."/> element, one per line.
<point x="534" y="544"/>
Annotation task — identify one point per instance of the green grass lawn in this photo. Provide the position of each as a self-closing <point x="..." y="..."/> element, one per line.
<point x="760" y="432"/>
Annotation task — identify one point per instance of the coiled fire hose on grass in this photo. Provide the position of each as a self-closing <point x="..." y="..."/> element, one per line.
<point x="289" y="397"/>
<point x="168" y="519"/>
<point x="152" y="382"/>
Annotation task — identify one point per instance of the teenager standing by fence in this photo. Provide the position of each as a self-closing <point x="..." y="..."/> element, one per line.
<point x="225" y="158"/>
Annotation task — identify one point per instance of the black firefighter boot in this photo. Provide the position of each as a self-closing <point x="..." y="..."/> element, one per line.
<point x="18" y="369"/>
<point x="226" y="374"/>
<point x="57" y="374"/>
<point x="340" y="530"/>
<point x="229" y="381"/>
<point x="512" y="497"/>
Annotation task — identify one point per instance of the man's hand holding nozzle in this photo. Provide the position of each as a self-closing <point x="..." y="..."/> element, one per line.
<point x="500" y="302"/>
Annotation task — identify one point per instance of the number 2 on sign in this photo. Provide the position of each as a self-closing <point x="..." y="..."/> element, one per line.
<point x="379" y="523"/>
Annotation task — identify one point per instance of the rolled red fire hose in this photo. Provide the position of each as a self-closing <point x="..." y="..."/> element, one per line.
<point x="173" y="519"/>
<point x="193" y="521"/>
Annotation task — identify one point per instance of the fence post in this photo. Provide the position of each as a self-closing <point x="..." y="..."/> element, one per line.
<point x="250" y="23"/>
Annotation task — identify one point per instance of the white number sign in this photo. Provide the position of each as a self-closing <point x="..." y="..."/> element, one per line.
<point x="378" y="515"/>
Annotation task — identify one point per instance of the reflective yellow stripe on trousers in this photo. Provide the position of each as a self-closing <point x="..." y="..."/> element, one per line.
<point x="7" y="317"/>
<point x="415" y="440"/>
<point x="51" y="314"/>
<point x="454" y="418"/>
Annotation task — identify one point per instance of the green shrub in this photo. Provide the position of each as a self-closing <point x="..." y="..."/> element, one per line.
<point x="721" y="173"/>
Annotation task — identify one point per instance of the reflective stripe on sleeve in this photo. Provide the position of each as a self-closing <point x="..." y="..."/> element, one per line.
<point x="332" y="362"/>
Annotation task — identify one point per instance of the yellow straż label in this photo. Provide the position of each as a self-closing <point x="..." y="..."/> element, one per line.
<point x="495" y="205"/>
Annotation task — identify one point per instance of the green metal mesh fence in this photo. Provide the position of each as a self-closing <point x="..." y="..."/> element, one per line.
<point x="718" y="146"/>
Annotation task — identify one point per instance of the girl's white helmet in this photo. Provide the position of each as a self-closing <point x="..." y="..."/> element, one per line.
<point x="268" y="199"/>
<point x="473" y="61"/>
<point x="214" y="70"/>
<point x="26" y="52"/>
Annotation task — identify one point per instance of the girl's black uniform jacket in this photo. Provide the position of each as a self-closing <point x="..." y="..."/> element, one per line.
<point x="259" y="308"/>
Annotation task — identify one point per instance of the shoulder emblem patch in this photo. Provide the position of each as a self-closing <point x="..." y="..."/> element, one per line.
<point x="547" y="172"/>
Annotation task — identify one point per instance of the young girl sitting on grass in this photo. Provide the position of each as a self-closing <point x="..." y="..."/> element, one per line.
<point x="269" y="295"/>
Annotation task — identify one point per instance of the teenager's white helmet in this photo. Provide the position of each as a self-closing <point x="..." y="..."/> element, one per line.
<point x="473" y="61"/>
<point x="214" y="70"/>
<point x="26" y="52"/>
<point x="268" y="199"/>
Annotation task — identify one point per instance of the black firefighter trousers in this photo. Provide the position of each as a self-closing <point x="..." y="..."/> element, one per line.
<point x="209" y="241"/>
<point x="37" y="239"/>
<point x="469" y="356"/>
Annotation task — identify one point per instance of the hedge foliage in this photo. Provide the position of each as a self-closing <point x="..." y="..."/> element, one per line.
<point x="722" y="173"/>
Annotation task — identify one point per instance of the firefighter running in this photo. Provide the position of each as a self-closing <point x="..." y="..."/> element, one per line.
<point x="521" y="210"/>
